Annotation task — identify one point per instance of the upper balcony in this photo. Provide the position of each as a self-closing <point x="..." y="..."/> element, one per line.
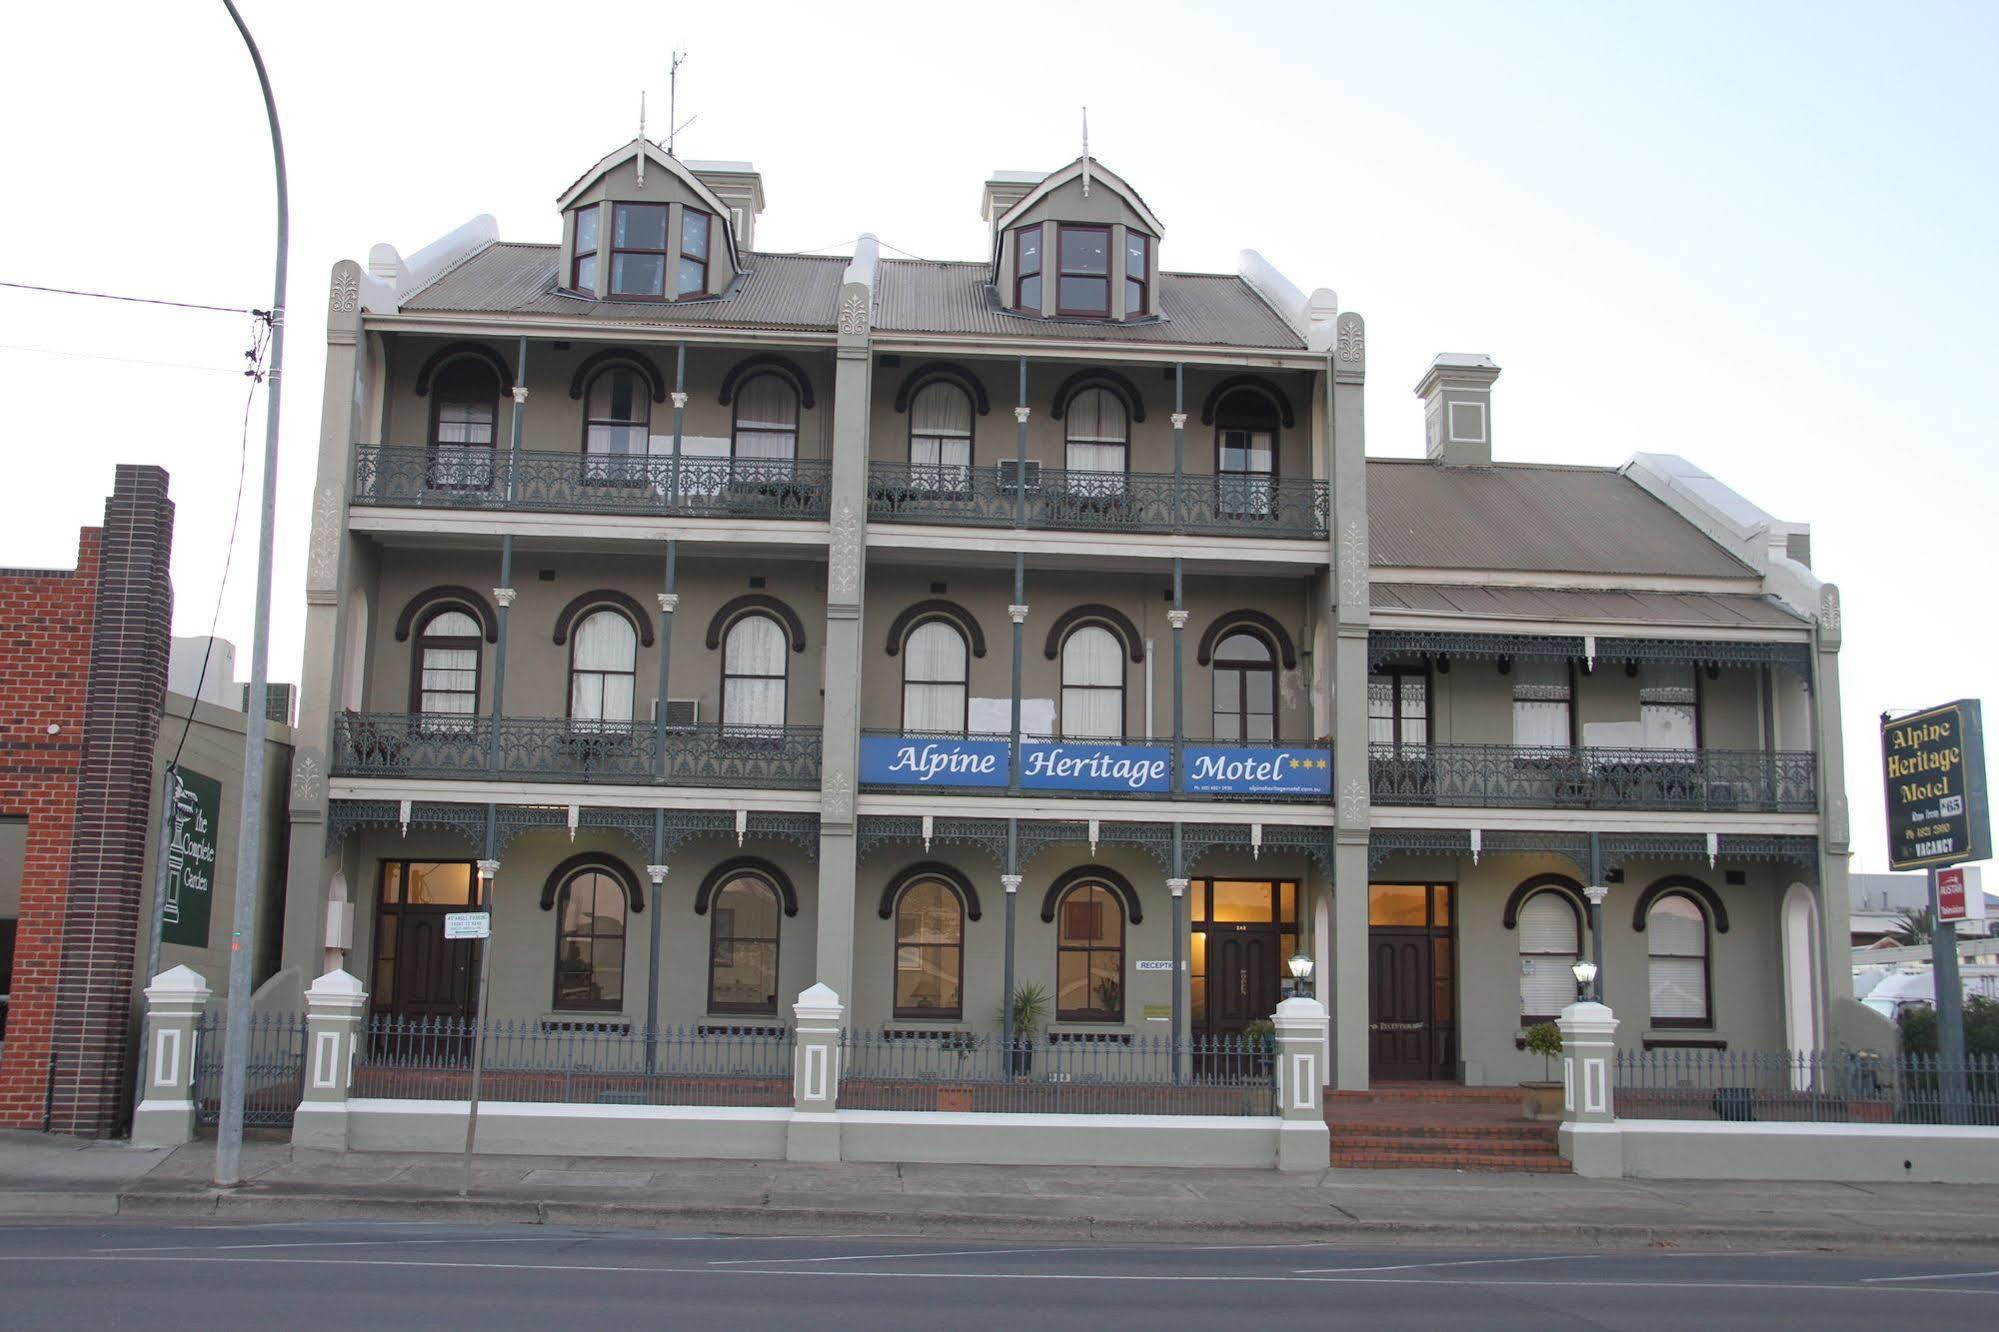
<point x="1551" y="777"/>
<point x="432" y="476"/>
<point x="1096" y="501"/>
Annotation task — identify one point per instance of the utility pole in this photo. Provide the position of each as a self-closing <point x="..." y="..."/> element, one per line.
<point x="249" y="844"/>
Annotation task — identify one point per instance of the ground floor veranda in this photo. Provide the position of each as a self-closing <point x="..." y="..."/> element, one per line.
<point x="705" y="928"/>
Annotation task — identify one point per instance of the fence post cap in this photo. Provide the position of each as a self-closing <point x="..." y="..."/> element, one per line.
<point x="336" y="986"/>
<point x="818" y="1001"/>
<point x="1299" y="1011"/>
<point x="182" y="982"/>
<point x="1587" y="1018"/>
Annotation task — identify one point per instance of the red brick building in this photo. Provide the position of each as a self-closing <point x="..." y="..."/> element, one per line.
<point x="83" y="667"/>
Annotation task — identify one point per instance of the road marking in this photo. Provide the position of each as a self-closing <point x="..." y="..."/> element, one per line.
<point x="337" y="1244"/>
<point x="1463" y="1262"/>
<point x="828" y="1274"/>
<point x="864" y="1257"/>
<point x="1935" y="1276"/>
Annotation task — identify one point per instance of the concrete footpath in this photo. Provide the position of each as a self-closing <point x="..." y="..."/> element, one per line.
<point x="52" y="1176"/>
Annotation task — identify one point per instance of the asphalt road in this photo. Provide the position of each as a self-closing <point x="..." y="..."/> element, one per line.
<point x="380" y="1275"/>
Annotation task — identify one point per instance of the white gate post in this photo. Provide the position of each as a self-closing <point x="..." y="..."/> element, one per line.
<point x="814" y="1132"/>
<point x="165" y="1118"/>
<point x="334" y="1005"/>
<point x="1303" y="1141"/>
<point x="1589" y="1135"/>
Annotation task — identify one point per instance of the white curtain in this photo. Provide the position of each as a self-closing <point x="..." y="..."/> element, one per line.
<point x="1676" y="937"/>
<point x="619" y="412"/>
<point x="603" y="668"/>
<point x="450" y="674"/>
<point x="766" y="419"/>
<point x="1098" y="432"/>
<point x="933" y="679"/>
<point x="1092" y="684"/>
<point x="1541" y="702"/>
<point x="940" y="436"/>
<point x="753" y="675"/>
<point x="1548" y="949"/>
<point x="1666" y="706"/>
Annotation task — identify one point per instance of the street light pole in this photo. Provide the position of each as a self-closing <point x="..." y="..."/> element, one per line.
<point x="249" y="842"/>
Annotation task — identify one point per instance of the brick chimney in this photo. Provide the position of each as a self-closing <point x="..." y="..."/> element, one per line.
<point x="1457" y="408"/>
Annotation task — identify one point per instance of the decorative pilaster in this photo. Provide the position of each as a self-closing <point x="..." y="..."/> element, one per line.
<point x="814" y="1134"/>
<point x="1303" y="1141"/>
<point x="334" y="1009"/>
<point x="1339" y="421"/>
<point x="174" y="1002"/>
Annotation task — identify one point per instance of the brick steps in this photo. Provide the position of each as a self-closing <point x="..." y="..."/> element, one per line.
<point x="1439" y="1128"/>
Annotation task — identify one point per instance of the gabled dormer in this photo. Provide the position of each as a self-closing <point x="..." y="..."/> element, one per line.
<point x="1080" y="244"/>
<point x="643" y="226"/>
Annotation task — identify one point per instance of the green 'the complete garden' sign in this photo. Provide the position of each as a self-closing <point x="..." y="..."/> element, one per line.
<point x="191" y="841"/>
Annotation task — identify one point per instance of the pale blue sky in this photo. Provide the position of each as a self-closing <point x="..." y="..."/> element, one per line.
<point x="1757" y="235"/>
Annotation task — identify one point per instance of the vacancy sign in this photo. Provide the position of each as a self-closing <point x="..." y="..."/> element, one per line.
<point x="1960" y="894"/>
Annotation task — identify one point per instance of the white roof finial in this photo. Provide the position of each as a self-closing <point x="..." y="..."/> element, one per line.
<point x="1086" y="152"/>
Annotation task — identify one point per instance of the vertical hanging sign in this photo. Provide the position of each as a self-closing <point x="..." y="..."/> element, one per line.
<point x="193" y="811"/>
<point x="1933" y="768"/>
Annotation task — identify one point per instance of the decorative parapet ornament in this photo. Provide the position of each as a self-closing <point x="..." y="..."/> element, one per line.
<point x="344" y="296"/>
<point x="1350" y="345"/>
<point x="308" y="777"/>
<point x="854" y="313"/>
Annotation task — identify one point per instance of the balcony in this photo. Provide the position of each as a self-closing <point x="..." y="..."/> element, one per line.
<point x="1097" y="501"/>
<point x="563" y="750"/>
<point x="475" y="477"/>
<point x="1205" y="769"/>
<point x="1747" y="781"/>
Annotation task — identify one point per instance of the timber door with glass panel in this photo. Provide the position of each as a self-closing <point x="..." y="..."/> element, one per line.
<point x="418" y="973"/>
<point x="1242" y="930"/>
<point x="1412" y="983"/>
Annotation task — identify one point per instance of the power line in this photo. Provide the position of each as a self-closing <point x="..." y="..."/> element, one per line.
<point x="134" y="300"/>
<point x="120" y="360"/>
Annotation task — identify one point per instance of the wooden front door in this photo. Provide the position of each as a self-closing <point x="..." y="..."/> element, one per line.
<point x="418" y="973"/>
<point x="1242" y="977"/>
<point x="1241" y="932"/>
<point x="1412" y="983"/>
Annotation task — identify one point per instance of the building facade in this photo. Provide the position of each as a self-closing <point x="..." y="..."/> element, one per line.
<point x="732" y="622"/>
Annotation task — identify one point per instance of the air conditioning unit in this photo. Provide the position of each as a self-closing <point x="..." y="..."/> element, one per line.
<point x="682" y="714"/>
<point x="1011" y="474"/>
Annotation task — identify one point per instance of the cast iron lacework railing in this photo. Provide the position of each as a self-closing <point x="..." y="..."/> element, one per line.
<point x="458" y="476"/>
<point x="401" y="745"/>
<point x="1097" y="501"/>
<point x="1815" y="1086"/>
<point x="910" y="1065"/>
<point x="578" y="1059"/>
<point x="273" y="1076"/>
<point x="1720" y="780"/>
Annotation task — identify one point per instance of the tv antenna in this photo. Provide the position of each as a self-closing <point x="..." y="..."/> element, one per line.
<point x="673" y="99"/>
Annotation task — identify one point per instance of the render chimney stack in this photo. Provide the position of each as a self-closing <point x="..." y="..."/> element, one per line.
<point x="1457" y="408"/>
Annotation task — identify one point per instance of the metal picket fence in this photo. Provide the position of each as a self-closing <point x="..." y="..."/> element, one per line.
<point x="892" y="1069"/>
<point x="274" y="1076"/>
<point x="580" y="1062"/>
<point x="1809" y="1086"/>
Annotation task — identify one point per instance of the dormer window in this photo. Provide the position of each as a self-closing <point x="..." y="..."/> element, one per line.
<point x="638" y="249"/>
<point x="693" y="252"/>
<point x="1027" y="288"/>
<point x="1085" y="287"/>
<point x="1137" y="272"/>
<point x="583" y="269"/>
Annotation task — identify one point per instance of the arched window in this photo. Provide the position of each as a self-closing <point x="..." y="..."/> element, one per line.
<point x="1089" y="956"/>
<point x="464" y="404"/>
<point x="753" y="677"/>
<point x="1677" y="962"/>
<point x="1550" y="942"/>
<point x="590" y="942"/>
<point x="940" y="437"/>
<point x="603" y="668"/>
<point x="617" y="423"/>
<point x="1099" y="439"/>
<point x="1246" y="424"/>
<point x="766" y="419"/>
<point x="445" y="690"/>
<point x="929" y="951"/>
<point x="934" y="689"/>
<point x="742" y="947"/>
<point x="1092" y="684"/>
<point x="1245" y="689"/>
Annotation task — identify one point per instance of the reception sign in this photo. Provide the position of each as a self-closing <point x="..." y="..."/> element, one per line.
<point x="193" y="809"/>
<point x="1060" y="765"/>
<point x="1242" y="770"/>
<point x="895" y="761"/>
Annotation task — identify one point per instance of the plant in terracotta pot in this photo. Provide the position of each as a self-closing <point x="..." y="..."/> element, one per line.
<point x="1543" y="1099"/>
<point x="1026" y="1012"/>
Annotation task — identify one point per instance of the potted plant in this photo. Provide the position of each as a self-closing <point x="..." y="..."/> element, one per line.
<point x="1543" y="1099"/>
<point x="1259" y="1042"/>
<point x="1026" y="1013"/>
<point x="957" y="1097"/>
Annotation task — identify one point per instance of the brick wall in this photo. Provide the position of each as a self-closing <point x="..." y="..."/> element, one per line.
<point x="85" y="652"/>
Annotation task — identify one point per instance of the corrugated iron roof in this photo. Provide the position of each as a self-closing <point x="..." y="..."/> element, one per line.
<point x="1706" y="610"/>
<point x="953" y="297"/>
<point x="1523" y="517"/>
<point x="778" y="291"/>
